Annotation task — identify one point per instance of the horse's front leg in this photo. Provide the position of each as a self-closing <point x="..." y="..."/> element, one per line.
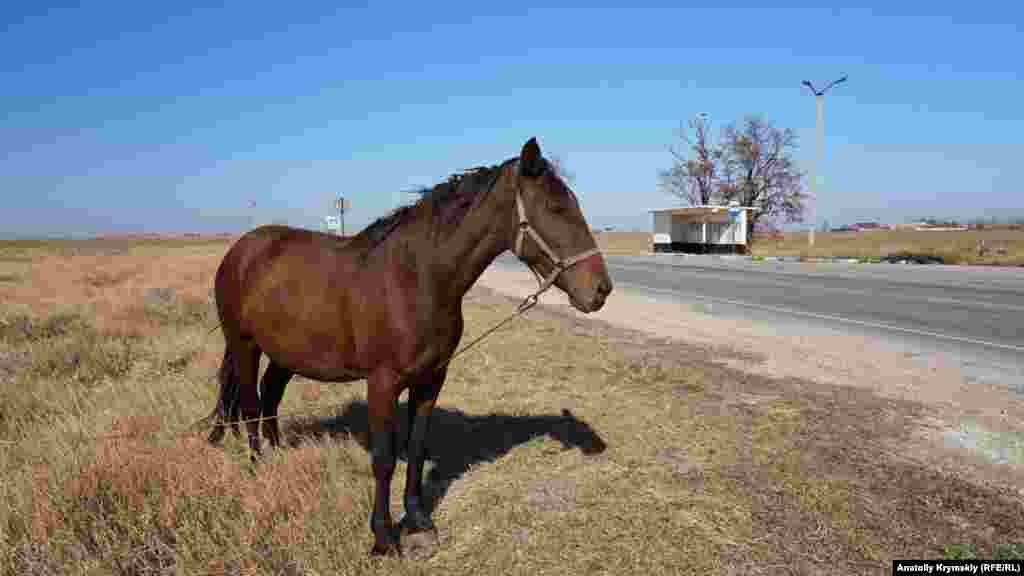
<point x="382" y="400"/>
<point x="422" y="397"/>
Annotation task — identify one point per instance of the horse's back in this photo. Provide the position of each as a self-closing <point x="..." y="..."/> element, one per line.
<point x="274" y="255"/>
<point x="315" y="305"/>
<point x="268" y="243"/>
<point x="287" y="289"/>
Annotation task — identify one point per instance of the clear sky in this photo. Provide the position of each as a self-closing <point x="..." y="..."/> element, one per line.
<point x="163" y="117"/>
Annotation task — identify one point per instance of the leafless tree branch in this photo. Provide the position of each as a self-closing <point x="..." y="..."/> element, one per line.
<point x="693" y="175"/>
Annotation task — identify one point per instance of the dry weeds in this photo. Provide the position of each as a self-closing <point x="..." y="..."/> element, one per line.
<point x="996" y="246"/>
<point x="1002" y="246"/>
<point x="560" y="446"/>
<point x="624" y="242"/>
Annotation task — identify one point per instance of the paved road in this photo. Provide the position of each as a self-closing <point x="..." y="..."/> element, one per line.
<point x="973" y="315"/>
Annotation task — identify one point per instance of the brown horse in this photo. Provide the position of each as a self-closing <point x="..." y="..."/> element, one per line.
<point x="386" y="305"/>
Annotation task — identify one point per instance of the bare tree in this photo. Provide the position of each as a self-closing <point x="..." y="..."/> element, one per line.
<point x="758" y="169"/>
<point x="695" y="169"/>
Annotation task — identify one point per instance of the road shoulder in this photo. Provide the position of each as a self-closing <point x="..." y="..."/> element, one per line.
<point x="969" y="429"/>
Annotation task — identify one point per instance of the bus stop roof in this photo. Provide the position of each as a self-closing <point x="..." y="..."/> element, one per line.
<point x="701" y="209"/>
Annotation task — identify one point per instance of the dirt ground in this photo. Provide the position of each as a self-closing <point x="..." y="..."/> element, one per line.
<point x="822" y="361"/>
<point x="637" y="440"/>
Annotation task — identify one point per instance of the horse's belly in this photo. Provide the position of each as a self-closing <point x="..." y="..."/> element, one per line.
<point x="325" y="365"/>
<point x="319" y="356"/>
<point x="331" y="375"/>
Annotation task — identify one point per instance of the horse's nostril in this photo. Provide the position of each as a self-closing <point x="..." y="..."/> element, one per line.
<point x="604" y="287"/>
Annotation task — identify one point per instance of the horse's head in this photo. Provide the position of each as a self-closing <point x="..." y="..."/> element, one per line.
<point x="552" y="237"/>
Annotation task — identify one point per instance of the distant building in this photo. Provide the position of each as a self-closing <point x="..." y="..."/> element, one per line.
<point x="862" y="227"/>
<point x="931" y="225"/>
<point x="910" y="225"/>
<point x="867" y="226"/>
<point x="702" y="229"/>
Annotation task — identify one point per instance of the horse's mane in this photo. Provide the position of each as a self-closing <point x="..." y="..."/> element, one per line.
<point x="445" y="203"/>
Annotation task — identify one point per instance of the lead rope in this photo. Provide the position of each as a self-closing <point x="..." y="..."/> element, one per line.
<point x="544" y="284"/>
<point x="529" y="302"/>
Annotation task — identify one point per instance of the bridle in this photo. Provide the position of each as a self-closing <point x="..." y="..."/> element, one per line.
<point x="525" y="229"/>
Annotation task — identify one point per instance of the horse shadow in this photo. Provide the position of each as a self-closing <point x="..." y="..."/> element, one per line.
<point x="456" y="441"/>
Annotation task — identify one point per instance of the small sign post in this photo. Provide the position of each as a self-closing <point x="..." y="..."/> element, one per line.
<point x="332" y="223"/>
<point x="342" y="205"/>
<point x="734" y="216"/>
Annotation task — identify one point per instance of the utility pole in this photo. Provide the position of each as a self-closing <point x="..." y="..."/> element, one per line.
<point x="819" y="97"/>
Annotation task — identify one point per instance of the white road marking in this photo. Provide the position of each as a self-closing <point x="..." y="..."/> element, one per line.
<point x="815" y="315"/>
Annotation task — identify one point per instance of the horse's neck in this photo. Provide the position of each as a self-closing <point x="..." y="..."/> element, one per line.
<point x="479" y="239"/>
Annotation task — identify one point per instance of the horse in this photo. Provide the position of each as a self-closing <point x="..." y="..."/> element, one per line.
<point x="386" y="306"/>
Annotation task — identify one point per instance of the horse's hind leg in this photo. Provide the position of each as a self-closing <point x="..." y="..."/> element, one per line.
<point x="247" y="365"/>
<point x="226" y="410"/>
<point x="275" y="379"/>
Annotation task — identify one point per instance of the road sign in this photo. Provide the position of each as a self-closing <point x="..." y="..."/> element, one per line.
<point x="734" y="213"/>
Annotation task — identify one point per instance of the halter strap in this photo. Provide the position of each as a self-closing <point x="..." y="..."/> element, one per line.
<point x="560" y="264"/>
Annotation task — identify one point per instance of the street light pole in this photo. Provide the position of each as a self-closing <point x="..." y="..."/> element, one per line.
<point x="819" y="129"/>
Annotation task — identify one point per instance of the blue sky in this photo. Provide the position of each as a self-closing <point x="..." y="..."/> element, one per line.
<point x="162" y="117"/>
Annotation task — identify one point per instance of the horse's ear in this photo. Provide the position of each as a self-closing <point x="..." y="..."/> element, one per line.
<point x="530" y="159"/>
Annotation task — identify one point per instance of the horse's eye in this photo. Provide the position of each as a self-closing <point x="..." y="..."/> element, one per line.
<point x="556" y="206"/>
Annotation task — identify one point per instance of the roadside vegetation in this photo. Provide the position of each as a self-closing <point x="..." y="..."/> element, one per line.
<point x="992" y="246"/>
<point x="561" y="446"/>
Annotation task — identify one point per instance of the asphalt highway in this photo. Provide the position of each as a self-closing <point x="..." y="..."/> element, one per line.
<point x="973" y="315"/>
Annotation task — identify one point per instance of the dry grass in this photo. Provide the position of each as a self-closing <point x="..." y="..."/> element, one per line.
<point x="560" y="447"/>
<point x="995" y="246"/>
<point x="624" y="242"/>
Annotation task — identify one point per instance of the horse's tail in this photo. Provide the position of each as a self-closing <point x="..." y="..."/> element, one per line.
<point x="227" y="409"/>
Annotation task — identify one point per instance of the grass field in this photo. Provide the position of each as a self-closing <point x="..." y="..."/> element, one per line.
<point x="560" y="446"/>
<point x="998" y="246"/>
<point x="624" y="242"/>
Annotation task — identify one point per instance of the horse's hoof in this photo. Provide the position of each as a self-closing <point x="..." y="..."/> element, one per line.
<point x="255" y="449"/>
<point x="390" y="549"/>
<point x="419" y="545"/>
<point x="385" y="540"/>
<point x="215" y="436"/>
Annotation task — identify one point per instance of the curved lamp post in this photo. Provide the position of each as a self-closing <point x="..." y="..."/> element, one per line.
<point x="819" y="97"/>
